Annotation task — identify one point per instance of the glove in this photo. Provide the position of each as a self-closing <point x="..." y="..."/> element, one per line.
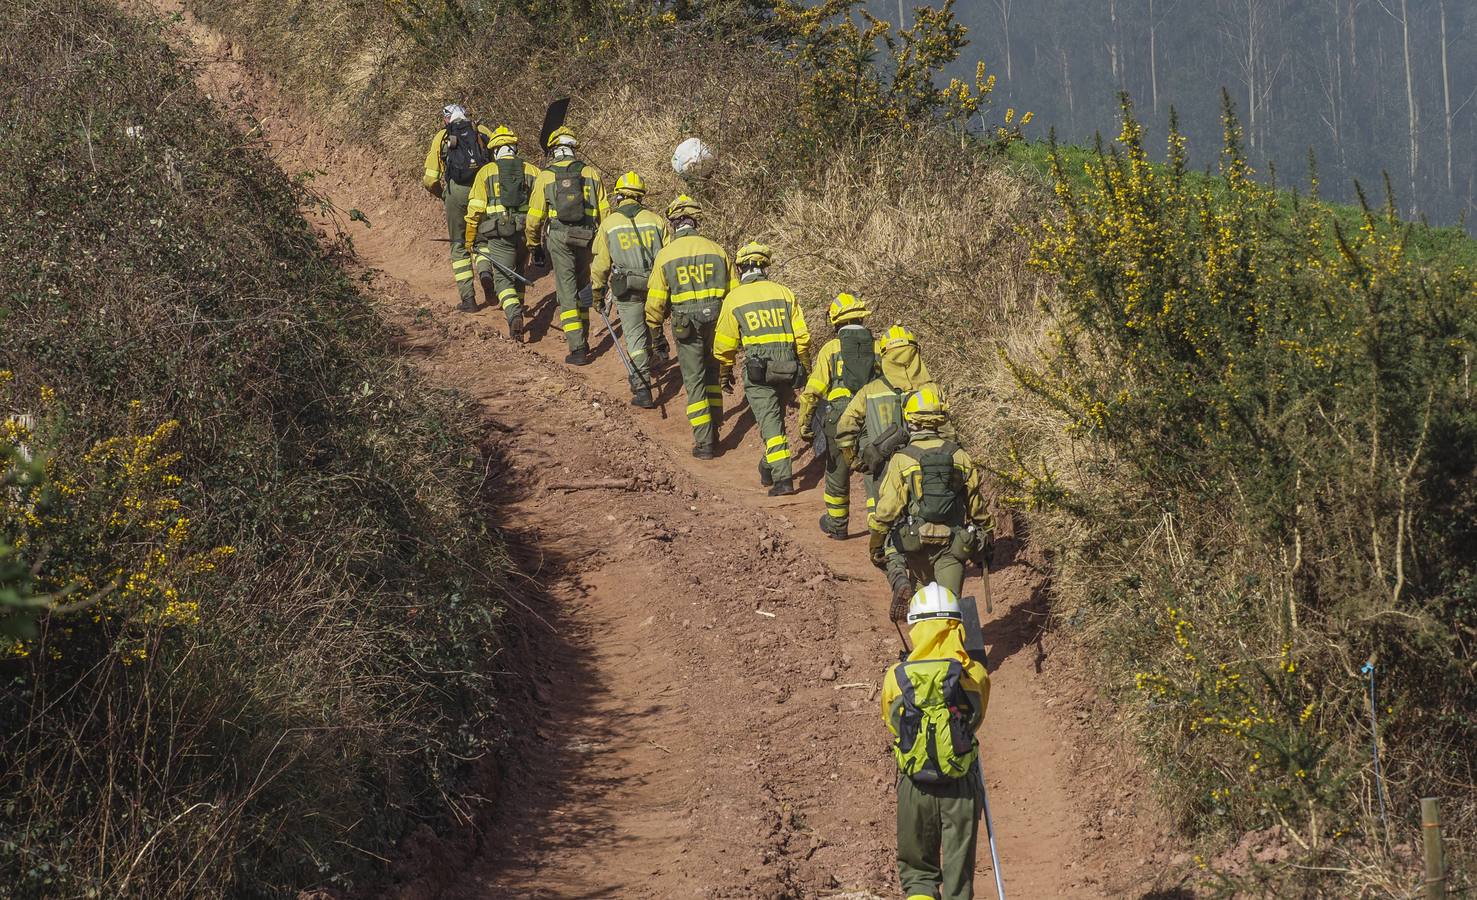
<point x="807" y="433"/>
<point x="877" y="548"/>
<point x="849" y="454"/>
<point x="902" y="596"/>
<point x="598" y="296"/>
<point x="726" y="379"/>
<point x="802" y="374"/>
<point x="435" y="190"/>
<point x="540" y="257"/>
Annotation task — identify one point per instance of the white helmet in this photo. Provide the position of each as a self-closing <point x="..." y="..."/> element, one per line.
<point x="690" y="154"/>
<point x="934" y="601"/>
<point x="453" y="112"/>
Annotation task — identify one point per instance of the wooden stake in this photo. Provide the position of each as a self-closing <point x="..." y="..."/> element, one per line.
<point x="1431" y="843"/>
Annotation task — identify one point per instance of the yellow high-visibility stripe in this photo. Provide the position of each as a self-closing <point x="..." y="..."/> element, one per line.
<point x="871" y="503"/>
<point x="838" y="393"/>
<point x="573" y="326"/>
<point x="463" y="263"/>
<point x="838" y="512"/>
<point x="689" y="296"/>
<point x="465" y="276"/>
<point x="774" y="441"/>
<point x="777" y="455"/>
<point x="569" y="314"/>
<point x="695" y="421"/>
<point x="476" y="205"/>
<point x="657" y="294"/>
<point x="700" y="406"/>
<point x="833" y="500"/>
<point x="507" y="294"/>
<point x="781" y="338"/>
<point x="433" y="173"/>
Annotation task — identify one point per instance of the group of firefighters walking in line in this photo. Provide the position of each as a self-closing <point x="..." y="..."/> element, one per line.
<point x="868" y="400"/>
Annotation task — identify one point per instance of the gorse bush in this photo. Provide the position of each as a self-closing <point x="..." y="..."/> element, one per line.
<point x="250" y="595"/>
<point x="1278" y="441"/>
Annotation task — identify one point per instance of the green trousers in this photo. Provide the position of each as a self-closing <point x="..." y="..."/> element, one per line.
<point x="638" y="341"/>
<point x="511" y="252"/>
<point x="943" y="563"/>
<point x="699" y="378"/>
<point x="937" y="830"/>
<point x="837" y="488"/>
<point x="571" y="272"/>
<point x="455" y="197"/>
<point x="768" y="405"/>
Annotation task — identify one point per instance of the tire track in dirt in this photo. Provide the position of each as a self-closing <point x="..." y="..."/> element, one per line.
<point x="712" y="672"/>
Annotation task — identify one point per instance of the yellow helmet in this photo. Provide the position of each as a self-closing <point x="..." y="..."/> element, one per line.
<point x="631" y="185"/>
<point x="503" y="137"/>
<point x="898" y="336"/>
<point x="924" y="404"/>
<point x="847" y="308"/>
<point x="561" y="135"/>
<point x="684" y="206"/>
<point x="753" y="254"/>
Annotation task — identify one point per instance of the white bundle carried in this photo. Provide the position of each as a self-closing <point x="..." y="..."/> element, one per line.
<point x="689" y="155"/>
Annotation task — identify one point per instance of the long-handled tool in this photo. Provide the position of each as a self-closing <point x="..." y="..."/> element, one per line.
<point x="620" y="350"/>
<point x="974" y="645"/>
<point x="979" y="772"/>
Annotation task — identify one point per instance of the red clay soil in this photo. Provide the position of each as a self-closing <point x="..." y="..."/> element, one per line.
<point x="695" y="709"/>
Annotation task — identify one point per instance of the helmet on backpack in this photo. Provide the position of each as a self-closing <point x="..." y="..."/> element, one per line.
<point x="847" y="308"/>
<point x="924" y="406"/>
<point x="934" y="601"/>
<point x="503" y="137"/>
<point x="753" y="254"/>
<point x="898" y="336"/>
<point x="563" y="136"/>
<point x="684" y="207"/>
<point x="630" y="185"/>
<point x="452" y="112"/>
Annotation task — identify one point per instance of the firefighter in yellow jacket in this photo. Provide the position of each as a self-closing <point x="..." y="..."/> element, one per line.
<point x="933" y="703"/>
<point x="689" y="280"/>
<point x="497" y="213"/>
<point x="845" y="364"/>
<point x="761" y="317"/>
<point x="457" y="152"/>
<point x="929" y="506"/>
<point x="570" y="194"/>
<point x="625" y="250"/>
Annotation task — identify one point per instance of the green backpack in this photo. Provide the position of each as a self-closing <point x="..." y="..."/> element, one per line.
<point x="934" y="742"/>
<point x="569" y="193"/>
<point x="940" y="500"/>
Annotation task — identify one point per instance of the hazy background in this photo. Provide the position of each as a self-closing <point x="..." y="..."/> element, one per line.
<point x="1371" y="86"/>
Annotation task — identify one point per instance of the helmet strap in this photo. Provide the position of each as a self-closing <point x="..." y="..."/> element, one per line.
<point x="750" y="270"/>
<point x="505" y="152"/>
<point x="563" y="152"/>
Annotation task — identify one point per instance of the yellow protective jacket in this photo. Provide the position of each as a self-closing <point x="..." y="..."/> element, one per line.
<point x="762" y="317"/>
<point x="937" y="639"/>
<point x="825" y="381"/>
<point x="690" y="268"/>
<point x="541" y="205"/>
<point x="486" y="198"/>
<point x="902" y="483"/>
<point x="621" y="235"/>
<point x="903" y="369"/>
<point x="431" y="178"/>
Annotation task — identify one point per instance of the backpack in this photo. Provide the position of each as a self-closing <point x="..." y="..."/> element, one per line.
<point x="512" y="189"/>
<point x="940" y="500"/>
<point x="883" y="438"/>
<point x="463" y="151"/>
<point x="934" y="743"/>
<point x="569" y="193"/>
<point x="858" y="357"/>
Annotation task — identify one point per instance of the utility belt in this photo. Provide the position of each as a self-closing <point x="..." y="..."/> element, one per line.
<point x="691" y="315"/>
<point x="575" y="237"/>
<point x="912" y="535"/>
<point x="628" y="285"/>
<point x="777" y="373"/>
<point x="505" y="225"/>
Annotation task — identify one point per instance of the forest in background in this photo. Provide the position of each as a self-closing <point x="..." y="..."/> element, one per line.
<point x="1369" y="86"/>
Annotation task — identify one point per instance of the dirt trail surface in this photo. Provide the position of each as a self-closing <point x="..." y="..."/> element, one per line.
<point x="703" y="719"/>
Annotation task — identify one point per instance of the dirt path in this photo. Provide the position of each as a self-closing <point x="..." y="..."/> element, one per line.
<point x="711" y="664"/>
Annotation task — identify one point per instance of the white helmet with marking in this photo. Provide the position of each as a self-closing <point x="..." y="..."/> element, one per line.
<point x="934" y="601"/>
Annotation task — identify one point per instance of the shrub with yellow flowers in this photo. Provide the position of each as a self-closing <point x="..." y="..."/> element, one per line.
<point x="1268" y="407"/>
<point x="106" y="551"/>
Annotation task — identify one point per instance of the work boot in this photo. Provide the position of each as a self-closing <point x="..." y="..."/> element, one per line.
<point x="902" y="596"/>
<point x="468" y="306"/>
<point x="703" y="451"/>
<point x="766" y="477"/>
<point x="830" y="530"/>
<point x="782" y="488"/>
<point x="489" y="289"/>
<point x="642" y="399"/>
<point x="578" y="358"/>
<point x="515" y="327"/>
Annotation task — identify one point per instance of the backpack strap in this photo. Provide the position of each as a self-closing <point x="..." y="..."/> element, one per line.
<point x="910" y="697"/>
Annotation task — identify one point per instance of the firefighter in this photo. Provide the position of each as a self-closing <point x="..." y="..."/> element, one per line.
<point x="846" y="363"/>
<point x="570" y="194"/>
<point x="497" y="213"/>
<point x="933" y="703"/>
<point x="456" y="154"/>
<point x="689" y="280"/>
<point x="625" y="249"/>
<point x="761" y="317"/>
<point x="929" y="506"/>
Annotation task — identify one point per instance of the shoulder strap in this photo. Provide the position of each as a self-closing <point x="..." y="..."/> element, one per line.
<point x="910" y="697"/>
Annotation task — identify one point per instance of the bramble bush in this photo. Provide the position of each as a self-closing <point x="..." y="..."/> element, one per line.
<point x="1275" y="440"/>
